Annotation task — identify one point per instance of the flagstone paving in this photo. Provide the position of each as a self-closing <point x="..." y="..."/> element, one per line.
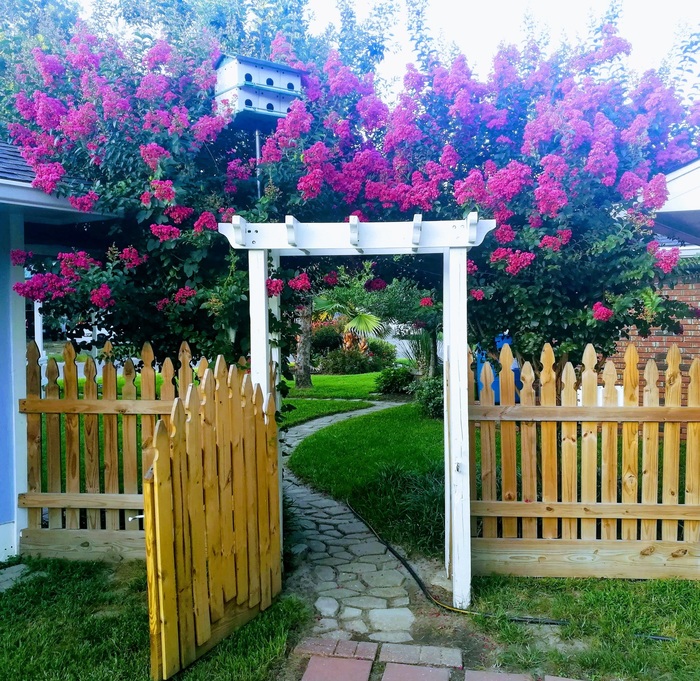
<point x="359" y="591"/>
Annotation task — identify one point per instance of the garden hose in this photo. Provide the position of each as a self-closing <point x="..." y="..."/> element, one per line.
<point x="510" y="618"/>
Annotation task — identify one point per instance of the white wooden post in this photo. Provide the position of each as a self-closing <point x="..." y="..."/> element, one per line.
<point x="259" y="323"/>
<point x="456" y="377"/>
<point x="274" y="305"/>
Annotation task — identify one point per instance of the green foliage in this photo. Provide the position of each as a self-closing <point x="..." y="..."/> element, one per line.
<point x="325" y="338"/>
<point x="349" y="362"/>
<point x="429" y="396"/>
<point x="395" y="380"/>
<point x="382" y="350"/>
<point x="355" y="387"/>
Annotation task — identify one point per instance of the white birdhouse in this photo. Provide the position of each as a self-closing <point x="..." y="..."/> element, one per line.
<point x="258" y="91"/>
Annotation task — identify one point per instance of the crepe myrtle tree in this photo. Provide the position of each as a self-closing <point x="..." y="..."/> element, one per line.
<point x="567" y="151"/>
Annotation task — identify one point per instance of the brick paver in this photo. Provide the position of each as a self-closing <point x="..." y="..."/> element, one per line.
<point x="495" y="676"/>
<point x="337" y="669"/>
<point x="437" y="656"/>
<point x="406" y="672"/>
<point x="322" y="647"/>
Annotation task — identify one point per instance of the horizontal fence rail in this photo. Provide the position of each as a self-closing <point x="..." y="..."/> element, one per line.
<point x="570" y="484"/>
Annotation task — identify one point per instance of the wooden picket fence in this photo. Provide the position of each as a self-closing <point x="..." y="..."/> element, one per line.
<point x="85" y="450"/>
<point x="212" y="502"/>
<point x="568" y="489"/>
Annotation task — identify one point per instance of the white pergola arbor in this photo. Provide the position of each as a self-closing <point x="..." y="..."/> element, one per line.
<point x="451" y="238"/>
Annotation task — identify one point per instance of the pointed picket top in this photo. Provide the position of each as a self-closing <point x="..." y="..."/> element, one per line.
<point x="167" y="389"/>
<point x="694" y="385"/>
<point x="207" y="386"/>
<point x="568" y="385"/>
<point x="108" y="351"/>
<point x="177" y="417"/>
<point x="609" y="381"/>
<point x="52" y="374"/>
<point x="630" y="378"/>
<point x="90" y="370"/>
<point x="184" y="354"/>
<point x="651" y="382"/>
<point x="673" y="370"/>
<point x="220" y="371"/>
<point x="201" y="368"/>
<point x="33" y="369"/>
<point x="161" y="460"/>
<point x="258" y="399"/>
<point x="487" y="378"/>
<point x="506" y="357"/>
<point x="192" y="401"/>
<point x="527" y="376"/>
<point x="247" y="388"/>
<point x="590" y="358"/>
<point x="242" y="363"/>
<point x="270" y="407"/>
<point x="548" y="360"/>
<point x="69" y="353"/>
<point x="234" y="380"/>
<point x="129" y="374"/>
<point x="147" y="356"/>
<point x="184" y="374"/>
<point x="589" y="376"/>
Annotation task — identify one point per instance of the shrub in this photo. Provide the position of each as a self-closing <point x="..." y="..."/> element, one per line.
<point x="429" y="396"/>
<point x="395" y="380"/>
<point x="348" y="362"/>
<point x="383" y="351"/>
<point x="325" y="338"/>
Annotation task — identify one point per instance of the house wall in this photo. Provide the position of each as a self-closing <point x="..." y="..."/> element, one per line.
<point x="13" y="446"/>
<point x="656" y="345"/>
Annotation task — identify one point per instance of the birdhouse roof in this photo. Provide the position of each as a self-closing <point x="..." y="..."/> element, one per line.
<point x="258" y="62"/>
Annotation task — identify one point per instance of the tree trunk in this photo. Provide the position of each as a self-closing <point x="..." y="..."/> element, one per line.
<point x="302" y="369"/>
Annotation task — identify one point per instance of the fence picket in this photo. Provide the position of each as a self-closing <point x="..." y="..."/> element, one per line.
<point x="608" y="480"/>
<point x="195" y="506"/>
<point x="223" y="445"/>
<point x="91" y="438"/>
<point x="528" y="446"/>
<point x="488" y="451"/>
<point x="274" y="492"/>
<point x="184" y="373"/>
<point x="672" y="432"/>
<point x="53" y="444"/>
<point x="691" y="531"/>
<point x="129" y="448"/>
<point x="72" y="434"/>
<point x="34" y="439"/>
<point x="509" y="463"/>
<point x="569" y="452"/>
<point x="110" y="430"/>
<point x="211" y="496"/>
<point x="589" y="440"/>
<point x="263" y="500"/>
<point x="630" y="439"/>
<point x="548" y="397"/>
<point x="249" y="454"/>
<point x="240" y="503"/>
<point x="148" y="392"/>
<point x="650" y="450"/>
<point x="471" y="399"/>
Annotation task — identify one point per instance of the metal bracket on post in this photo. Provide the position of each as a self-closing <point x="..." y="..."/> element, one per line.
<point x="240" y="225"/>
<point x="292" y="223"/>
<point x="355" y="233"/>
<point x="417" y="230"/>
<point x="472" y="232"/>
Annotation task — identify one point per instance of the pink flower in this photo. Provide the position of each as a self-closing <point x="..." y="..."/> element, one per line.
<point x="44" y="285"/>
<point x="602" y="313"/>
<point x="19" y="258"/>
<point x="518" y="261"/>
<point x="472" y="267"/>
<point x="151" y="153"/>
<point x="310" y="185"/>
<point x="553" y="243"/>
<point x="331" y="279"/>
<point x="655" y="194"/>
<point x="501" y="254"/>
<point x="426" y="302"/>
<point x="48" y="175"/>
<point x="101" y="297"/>
<point x="375" y="284"/>
<point x="207" y="128"/>
<point x="206" y="220"/>
<point x="178" y="214"/>
<point x="653" y="247"/>
<point x="131" y="258"/>
<point x="79" y="123"/>
<point x="162" y="304"/>
<point x="227" y="214"/>
<point x="504" y="234"/>
<point x="163" y="190"/>
<point x="301" y="282"/>
<point x="70" y="263"/>
<point x="165" y="232"/>
<point x="49" y="65"/>
<point x="146" y="199"/>
<point x="477" y="294"/>
<point x="274" y="287"/>
<point x="84" y="203"/>
<point x="666" y="260"/>
<point x="153" y="87"/>
<point x="564" y="236"/>
<point x="159" y="54"/>
<point x="183" y="294"/>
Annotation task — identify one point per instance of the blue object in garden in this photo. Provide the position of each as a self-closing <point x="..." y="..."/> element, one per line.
<point x="481" y="359"/>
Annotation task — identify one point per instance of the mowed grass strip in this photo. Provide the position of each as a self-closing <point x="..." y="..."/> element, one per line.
<point x="389" y="465"/>
<point x="348" y="387"/>
<point x="89" y="621"/>
<point x="309" y="409"/>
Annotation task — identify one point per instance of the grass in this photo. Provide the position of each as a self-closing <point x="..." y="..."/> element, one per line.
<point x="309" y="409"/>
<point x="349" y="387"/>
<point x="89" y="621"/>
<point x="389" y="465"/>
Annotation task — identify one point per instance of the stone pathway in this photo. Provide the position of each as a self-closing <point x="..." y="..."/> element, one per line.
<point x="359" y="591"/>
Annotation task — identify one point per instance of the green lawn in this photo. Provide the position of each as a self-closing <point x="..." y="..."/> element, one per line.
<point x="89" y="622"/>
<point x="309" y="409"/>
<point x="349" y="387"/>
<point x="389" y="465"/>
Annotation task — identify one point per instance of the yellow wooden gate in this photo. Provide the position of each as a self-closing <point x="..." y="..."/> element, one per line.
<point x="212" y="505"/>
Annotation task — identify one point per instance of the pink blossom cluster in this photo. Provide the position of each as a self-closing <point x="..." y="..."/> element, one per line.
<point x="163" y="190"/>
<point x="554" y="243"/>
<point x="504" y="234"/>
<point x="226" y="214"/>
<point x="375" y="284"/>
<point x="80" y="122"/>
<point x="426" y="302"/>
<point x="667" y="259"/>
<point x="48" y="175"/>
<point x="182" y="295"/>
<point x="274" y="287"/>
<point x="162" y="304"/>
<point x="515" y="260"/>
<point x="131" y="258"/>
<point x="178" y="214"/>
<point x="550" y="195"/>
<point x="101" y="297"/>
<point x="472" y="267"/>
<point x="373" y="112"/>
<point x="48" y="65"/>
<point x="151" y="154"/>
<point x="236" y="169"/>
<point x="159" y="55"/>
<point x="165" y="232"/>
<point x="300" y="283"/>
<point x="19" y="258"/>
<point x="154" y="87"/>
<point x="71" y="263"/>
<point x="42" y="286"/>
<point x="207" y="128"/>
<point x="341" y="80"/>
<point x="206" y="220"/>
<point x="331" y="279"/>
<point x="602" y="313"/>
<point x="84" y="203"/>
<point x="477" y="294"/>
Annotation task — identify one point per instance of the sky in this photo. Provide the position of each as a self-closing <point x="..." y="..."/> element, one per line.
<point x="477" y="28"/>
